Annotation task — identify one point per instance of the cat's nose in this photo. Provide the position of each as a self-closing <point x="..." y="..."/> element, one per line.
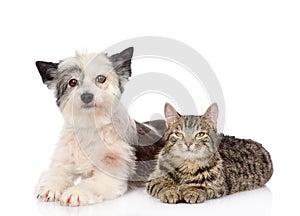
<point x="188" y="141"/>
<point x="188" y="144"/>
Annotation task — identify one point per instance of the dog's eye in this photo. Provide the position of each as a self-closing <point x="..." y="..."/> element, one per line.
<point x="73" y="82"/>
<point x="100" y="79"/>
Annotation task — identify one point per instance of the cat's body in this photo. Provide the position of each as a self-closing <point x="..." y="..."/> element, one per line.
<point x="247" y="164"/>
<point x="197" y="163"/>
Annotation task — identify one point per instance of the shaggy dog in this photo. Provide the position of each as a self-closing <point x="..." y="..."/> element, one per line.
<point x="98" y="136"/>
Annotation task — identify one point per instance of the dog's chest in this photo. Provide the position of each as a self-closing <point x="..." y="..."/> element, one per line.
<point x="98" y="148"/>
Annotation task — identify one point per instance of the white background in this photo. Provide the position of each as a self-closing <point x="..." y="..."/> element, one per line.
<point x="252" y="46"/>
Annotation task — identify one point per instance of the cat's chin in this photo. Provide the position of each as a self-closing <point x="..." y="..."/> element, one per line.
<point x="190" y="155"/>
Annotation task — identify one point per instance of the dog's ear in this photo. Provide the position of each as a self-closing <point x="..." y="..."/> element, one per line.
<point x="47" y="71"/>
<point x="122" y="62"/>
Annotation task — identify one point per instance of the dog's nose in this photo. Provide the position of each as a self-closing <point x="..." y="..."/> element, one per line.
<point x="87" y="97"/>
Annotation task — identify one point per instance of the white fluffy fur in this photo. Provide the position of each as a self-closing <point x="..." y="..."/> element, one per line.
<point x="94" y="142"/>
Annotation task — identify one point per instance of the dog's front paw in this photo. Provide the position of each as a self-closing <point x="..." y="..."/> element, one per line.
<point x="76" y="196"/>
<point x="48" y="194"/>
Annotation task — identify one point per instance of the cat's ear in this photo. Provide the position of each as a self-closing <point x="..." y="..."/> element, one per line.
<point x="211" y="114"/>
<point x="170" y="114"/>
<point x="47" y="71"/>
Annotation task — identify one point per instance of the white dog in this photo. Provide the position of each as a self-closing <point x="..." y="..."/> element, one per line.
<point x="97" y="136"/>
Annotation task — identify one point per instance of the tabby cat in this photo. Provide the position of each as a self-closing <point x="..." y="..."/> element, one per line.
<point x="197" y="163"/>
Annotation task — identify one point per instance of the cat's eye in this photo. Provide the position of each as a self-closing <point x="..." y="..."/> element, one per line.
<point x="73" y="82"/>
<point x="200" y="135"/>
<point x="178" y="134"/>
<point x="100" y="79"/>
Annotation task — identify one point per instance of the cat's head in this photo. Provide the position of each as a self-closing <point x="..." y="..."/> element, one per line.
<point x="190" y="136"/>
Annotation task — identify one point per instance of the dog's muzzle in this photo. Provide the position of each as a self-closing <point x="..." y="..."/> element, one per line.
<point x="87" y="98"/>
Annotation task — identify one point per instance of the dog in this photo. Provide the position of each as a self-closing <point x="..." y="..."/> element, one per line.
<point x="98" y="139"/>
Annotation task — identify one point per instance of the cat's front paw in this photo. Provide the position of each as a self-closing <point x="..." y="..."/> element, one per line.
<point x="169" y="195"/>
<point x="48" y="194"/>
<point x="193" y="195"/>
<point x="76" y="196"/>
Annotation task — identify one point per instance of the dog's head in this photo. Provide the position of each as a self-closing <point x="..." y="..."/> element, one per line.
<point x="87" y="80"/>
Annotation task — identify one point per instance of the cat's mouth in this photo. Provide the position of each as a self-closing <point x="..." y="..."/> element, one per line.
<point x="189" y="149"/>
<point x="189" y="154"/>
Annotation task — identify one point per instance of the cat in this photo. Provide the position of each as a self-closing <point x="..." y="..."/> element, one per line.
<point x="197" y="163"/>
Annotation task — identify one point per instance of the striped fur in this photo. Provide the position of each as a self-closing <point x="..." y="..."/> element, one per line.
<point x="193" y="168"/>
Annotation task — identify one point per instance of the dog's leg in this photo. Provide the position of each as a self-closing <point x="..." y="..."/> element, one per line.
<point x="59" y="176"/>
<point x="93" y="190"/>
<point x="52" y="183"/>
